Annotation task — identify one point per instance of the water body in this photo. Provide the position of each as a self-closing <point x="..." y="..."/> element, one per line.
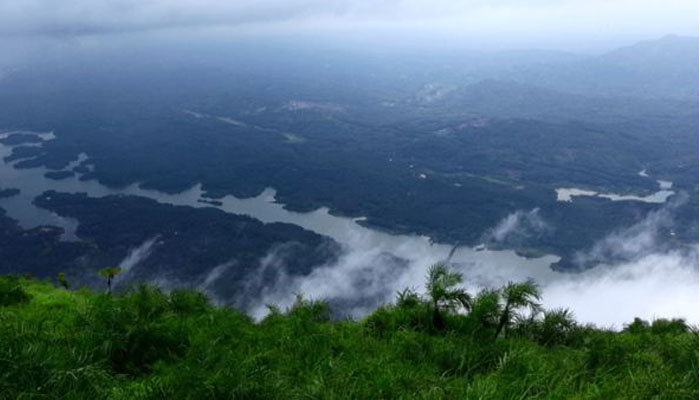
<point x="353" y="236"/>
<point x="263" y="207"/>
<point x="564" y="194"/>
<point x="363" y="269"/>
<point x="659" y="197"/>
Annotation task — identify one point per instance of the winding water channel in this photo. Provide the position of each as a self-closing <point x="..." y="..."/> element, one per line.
<point x="362" y="244"/>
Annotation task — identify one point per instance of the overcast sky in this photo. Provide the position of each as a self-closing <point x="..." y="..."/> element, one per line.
<point x="489" y="17"/>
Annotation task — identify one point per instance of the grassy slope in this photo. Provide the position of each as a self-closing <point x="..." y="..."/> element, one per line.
<point x="145" y="344"/>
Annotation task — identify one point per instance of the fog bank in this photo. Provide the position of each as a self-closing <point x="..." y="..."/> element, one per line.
<point x="634" y="275"/>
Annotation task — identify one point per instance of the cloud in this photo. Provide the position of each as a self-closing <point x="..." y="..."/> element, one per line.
<point x="517" y="226"/>
<point x="61" y="17"/>
<point x="89" y="17"/>
<point x="356" y="283"/>
<point x="655" y="285"/>
<point x="215" y="274"/>
<point x="133" y="258"/>
<point x="81" y="17"/>
<point x="639" y="240"/>
<point x="642" y="278"/>
<point x="637" y="272"/>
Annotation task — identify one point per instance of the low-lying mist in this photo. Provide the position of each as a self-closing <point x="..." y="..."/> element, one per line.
<point x="635" y="274"/>
<point x="636" y="271"/>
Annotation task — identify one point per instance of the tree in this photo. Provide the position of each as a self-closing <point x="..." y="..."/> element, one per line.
<point x="443" y="293"/>
<point x="110" y="273"/>
<point x="515" y="296"/>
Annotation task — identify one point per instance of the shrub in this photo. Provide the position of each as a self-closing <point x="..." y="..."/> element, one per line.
<point x="638" y="326"/>
<point x="555" y="328"/>
<point x="143" y="343"/>
<point x="306" y="310"/>
<point x="486" y="311"/>
<point x="130" y="330"/>
<point x="184" y="301"/>
<point x="11" y="291"/>
<point x="386" y="320"/>
<point x="664" y="326"/>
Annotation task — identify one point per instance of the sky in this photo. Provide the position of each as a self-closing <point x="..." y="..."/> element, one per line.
<point x="586" y="24"/>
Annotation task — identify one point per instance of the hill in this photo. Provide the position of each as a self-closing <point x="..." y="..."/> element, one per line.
<point x="445" y="146"/>
<point x="663" y="68"/>
<point x="148" y="344"/>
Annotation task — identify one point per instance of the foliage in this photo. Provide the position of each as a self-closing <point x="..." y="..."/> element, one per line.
<point x="62" y="280"/>
<point x="109" y="273"/>
<point x="516" y="296"/>
<point x="444" y="295"/>
<point x="659" y="326"/>
<point x="11" y="292"/>
<point x="407" y="298"/>
<point x="485" y="313"/>
<point x="441" y="288"/>
<point x="145" y="343"/>
<point x="550" y="327"/>
<point x="190" y="241"/>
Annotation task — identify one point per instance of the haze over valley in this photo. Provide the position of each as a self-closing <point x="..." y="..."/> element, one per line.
<point x="256" y="163"/>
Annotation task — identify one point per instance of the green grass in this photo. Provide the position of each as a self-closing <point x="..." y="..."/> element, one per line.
<point x="148" y="344"/>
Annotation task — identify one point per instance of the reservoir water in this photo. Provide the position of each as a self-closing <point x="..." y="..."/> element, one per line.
<point x="263" y="207"/>
<point x="362" y="269"/>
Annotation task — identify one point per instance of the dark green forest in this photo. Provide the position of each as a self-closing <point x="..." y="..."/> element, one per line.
<point x="187" y="243"/>
<point x="412" y="145"/>
<point x="145" y="343"/>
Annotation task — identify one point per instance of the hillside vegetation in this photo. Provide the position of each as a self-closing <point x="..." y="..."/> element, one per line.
<point x="145" y="343"/>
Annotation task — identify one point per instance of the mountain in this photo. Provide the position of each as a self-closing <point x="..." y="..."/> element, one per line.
<point x="514" y="99"/>
<point x="662" y="68"/>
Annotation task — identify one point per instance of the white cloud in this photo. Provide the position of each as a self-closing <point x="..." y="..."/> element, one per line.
<point x="518" y="225"/>
<point x="657" y="285"/>
<point x="638" y="240"/>
<point x="78" y="17"/>
<point x="643" y="279"/>
<point x="133" y="258"/>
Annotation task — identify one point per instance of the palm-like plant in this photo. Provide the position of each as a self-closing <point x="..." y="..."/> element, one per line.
<point x="557" y="326"/>
<point x="444" y="295"/>
<point x="407" y="298"/>
<point x="110" y="273"/>
<point x="486" y="308"/>
<point x="515" y="296"/>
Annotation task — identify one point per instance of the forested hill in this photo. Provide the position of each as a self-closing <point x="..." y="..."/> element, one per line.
<point x="148" y="344"/>
<point x="445" y="146"/>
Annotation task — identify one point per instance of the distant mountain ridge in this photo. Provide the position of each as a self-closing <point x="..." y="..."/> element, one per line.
<point x="514" y="99"/>
<point x="661" y="68"/>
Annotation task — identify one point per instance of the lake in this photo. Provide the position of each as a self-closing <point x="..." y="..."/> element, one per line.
<point x="364" y="270"/>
